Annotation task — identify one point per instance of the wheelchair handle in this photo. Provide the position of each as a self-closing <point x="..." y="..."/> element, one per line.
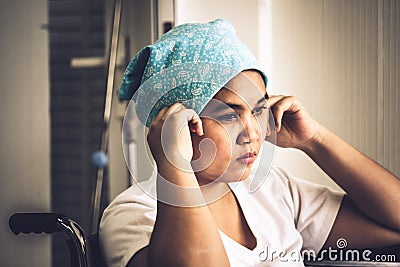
<point x="51" y="223"/>
<point x="36" y="223"/>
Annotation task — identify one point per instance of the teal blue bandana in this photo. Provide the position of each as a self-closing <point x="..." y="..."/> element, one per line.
<point x="188" y="64"/>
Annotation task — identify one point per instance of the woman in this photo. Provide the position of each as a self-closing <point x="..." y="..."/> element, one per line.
<point x="203" y="96"/>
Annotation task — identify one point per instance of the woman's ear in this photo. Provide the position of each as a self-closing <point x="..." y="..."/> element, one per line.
<point x="269" y="137"/>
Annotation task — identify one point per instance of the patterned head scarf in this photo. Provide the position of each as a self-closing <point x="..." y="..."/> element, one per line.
<point x="189" y="64"/>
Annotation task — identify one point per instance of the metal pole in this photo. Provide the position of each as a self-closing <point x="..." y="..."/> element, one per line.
<point x="154" y="20"/>
<point x="107" y="111"/>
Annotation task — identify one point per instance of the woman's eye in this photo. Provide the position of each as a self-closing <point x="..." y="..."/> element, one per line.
<point x="228" y="117"/>
<point x="258" y="110"/>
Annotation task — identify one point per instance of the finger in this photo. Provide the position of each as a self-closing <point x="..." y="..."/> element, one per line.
<point x="196" y="125"/>
<point x="272" y="100"/>
<point x="173" y="109"/>
<point x="193" y="119"/>
<point x="280" y="106"/>
<point x="159" y="116"/>
<point x="165" y="112"/>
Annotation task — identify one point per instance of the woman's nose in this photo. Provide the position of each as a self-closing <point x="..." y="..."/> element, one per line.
<point x="250" y="132"/>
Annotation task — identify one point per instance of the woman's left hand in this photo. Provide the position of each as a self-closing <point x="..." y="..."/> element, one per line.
<point x="294" y="126"/>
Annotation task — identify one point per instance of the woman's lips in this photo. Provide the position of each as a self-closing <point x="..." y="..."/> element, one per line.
<point x="247" y="158"/>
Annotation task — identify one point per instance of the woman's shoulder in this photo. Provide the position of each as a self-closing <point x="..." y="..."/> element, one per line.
<point x="139" y="194"/>
<point x="144" y="190"/>
<point x="278" y="181"/>
<point x="274" y="176"/>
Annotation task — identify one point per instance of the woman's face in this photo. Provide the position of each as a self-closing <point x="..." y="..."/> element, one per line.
<point x="235" y="122"/>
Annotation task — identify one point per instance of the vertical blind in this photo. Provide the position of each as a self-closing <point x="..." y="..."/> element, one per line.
<point x="341" y="58"/>
<point x="76" y="30"/>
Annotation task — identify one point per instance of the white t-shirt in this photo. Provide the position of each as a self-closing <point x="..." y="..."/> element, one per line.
<point x="287" y="216"/>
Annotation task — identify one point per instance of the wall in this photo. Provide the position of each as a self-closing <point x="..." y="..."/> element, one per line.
<point x="24" y="131"/>
<point x="242" y="14"/>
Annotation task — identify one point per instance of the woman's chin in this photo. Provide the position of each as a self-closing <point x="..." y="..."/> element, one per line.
<point x="231" y="175"/>
<point x="238" y="176"/>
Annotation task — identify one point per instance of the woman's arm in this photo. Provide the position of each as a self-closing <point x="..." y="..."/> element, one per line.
<point x="185" y="236"/>
<point x="373" y="189"/>
<point x="182" y="235"/>
<point x="370" y="214"/>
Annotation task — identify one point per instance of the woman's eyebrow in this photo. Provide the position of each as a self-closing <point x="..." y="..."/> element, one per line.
<point x="264" y="98"/>
<point x="226" y="105"/>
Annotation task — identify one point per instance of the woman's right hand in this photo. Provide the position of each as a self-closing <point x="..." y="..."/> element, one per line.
<point x="170" y="143"/>
<point x="169" y="136"/>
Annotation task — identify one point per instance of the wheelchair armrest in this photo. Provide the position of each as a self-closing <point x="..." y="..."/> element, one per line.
<point x="51" y="223"/>
<point x="36" y="223"/>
